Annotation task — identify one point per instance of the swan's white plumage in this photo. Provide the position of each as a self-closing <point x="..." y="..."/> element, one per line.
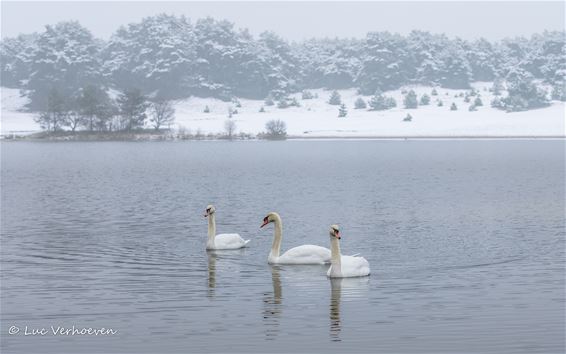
<point x="221" y="241"/>
<point x="228" y="242"/>
<point x="305" y="254"/>
<point x="349" y="267"/>
<point x="344" y="266"/>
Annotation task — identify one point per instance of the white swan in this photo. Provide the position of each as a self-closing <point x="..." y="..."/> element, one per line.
<point x="306" y="254"/>
<point x="221" y="241"/>
<point x="344" y="266"/>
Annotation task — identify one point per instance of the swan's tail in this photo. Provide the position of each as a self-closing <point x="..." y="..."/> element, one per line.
<point x="246" y="242"/>
<point x="356" y="254"/>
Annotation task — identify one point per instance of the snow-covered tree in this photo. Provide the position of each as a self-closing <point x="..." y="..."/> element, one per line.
<point x="379" y="102"/>
<point x="156" y="55"/>
<point x="523" y="93"/>
<point x="342" y="111"/>
<point x="335" y="98"/>
<point x="410" y="100"/>
<point x="64" y="58"/>
<point x="425" y="100"/>
<point x="360" y="103"/>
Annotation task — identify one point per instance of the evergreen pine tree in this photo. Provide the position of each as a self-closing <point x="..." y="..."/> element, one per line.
<point x="335" y="98"/>
<point x="132" y="105"/>
<point x="410" y="100"/>
<point x="453" y="107"/>
<point x="360" y="103"/>
<point x="342" y="111"/>
<point x="408" y="118"/>
<point x="425" y="99"/>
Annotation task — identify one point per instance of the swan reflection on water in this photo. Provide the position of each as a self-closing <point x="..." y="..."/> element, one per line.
<point x="211" y="273"/>
<point x="349" y="288"/>
<point x="226" y="259"/>
<point x="272" y="305"/>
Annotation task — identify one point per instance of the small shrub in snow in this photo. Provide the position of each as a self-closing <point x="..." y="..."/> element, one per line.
<point x="434" y="92"/>
<point x="472" y="108"/>
<point x="262" y="109"/>
<point x="439" y="103"/>
<point x="307" y="95"/>
<point x="410" y="100"/>
<point x="478" y="102"/>
<point x="342" y="111"/>
<point x="335" y="98"/>
<point x="467" y="99"/>
<point x="360" y="103"/>
<point x="294" y="103"/>
<point x="408" y="118"/>
<point x="453" y="107"/>
<point x="403" y="92"/>
<point x="425" y="99"/>
<point x="206" y="109"/>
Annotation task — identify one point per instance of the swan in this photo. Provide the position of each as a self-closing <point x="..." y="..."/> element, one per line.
<point x="344" y="266"/>
<point x="221" y="241"/>
<point x="305" y="254"/>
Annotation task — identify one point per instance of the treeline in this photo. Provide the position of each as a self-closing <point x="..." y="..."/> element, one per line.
<point x="91" y="109"/>
<point x="168" y="57"/>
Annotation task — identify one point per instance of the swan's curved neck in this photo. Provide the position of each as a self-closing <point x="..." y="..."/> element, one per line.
<point x="211" y="228"/>
<point x="335" y="252"/>
<point x="278" y="235"/>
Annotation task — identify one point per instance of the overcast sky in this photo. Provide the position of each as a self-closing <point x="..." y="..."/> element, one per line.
<point x="299" y="20"/>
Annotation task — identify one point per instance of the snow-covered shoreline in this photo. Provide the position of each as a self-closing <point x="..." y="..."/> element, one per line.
<point x="316" y="119"/>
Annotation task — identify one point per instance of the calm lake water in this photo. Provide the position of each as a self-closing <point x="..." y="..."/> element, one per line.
<point x="465" y="240"/>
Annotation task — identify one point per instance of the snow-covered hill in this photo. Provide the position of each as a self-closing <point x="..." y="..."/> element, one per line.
<point x="316" y="118"/>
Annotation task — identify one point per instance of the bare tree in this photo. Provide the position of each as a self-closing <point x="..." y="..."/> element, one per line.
<point x="162" y="113"/>
<point x="230" y="128"/>
<point x="276" y="129"/>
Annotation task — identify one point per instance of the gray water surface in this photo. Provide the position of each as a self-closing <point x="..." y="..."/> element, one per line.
<point x="465" y="240"/>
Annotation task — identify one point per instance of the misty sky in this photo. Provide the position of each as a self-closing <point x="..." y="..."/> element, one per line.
<point x="300" y="20"/>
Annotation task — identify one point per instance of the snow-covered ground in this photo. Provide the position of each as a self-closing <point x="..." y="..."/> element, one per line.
<point x="316" y="118"/>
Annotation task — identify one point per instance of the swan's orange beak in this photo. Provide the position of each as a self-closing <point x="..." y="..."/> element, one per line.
<point x="337" y="234"/>
<point x="205" y="214"/>
<point x="265" y="222"/>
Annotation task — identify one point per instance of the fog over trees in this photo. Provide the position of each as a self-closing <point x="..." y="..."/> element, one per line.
<point x="166" y="57"/>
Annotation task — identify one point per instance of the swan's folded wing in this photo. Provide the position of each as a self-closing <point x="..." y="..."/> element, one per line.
<point x="354" y="266"/>
<point x="229" y="241"/>
<point x="306" y="254"/>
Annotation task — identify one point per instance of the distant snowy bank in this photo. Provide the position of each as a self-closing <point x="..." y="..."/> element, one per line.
<point x="316" y="118"/>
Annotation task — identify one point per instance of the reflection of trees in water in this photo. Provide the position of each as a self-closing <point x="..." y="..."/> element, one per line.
<point x="211" y="274"/>
<point x="335" y="294"/>
<point x="272" y="306"/>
